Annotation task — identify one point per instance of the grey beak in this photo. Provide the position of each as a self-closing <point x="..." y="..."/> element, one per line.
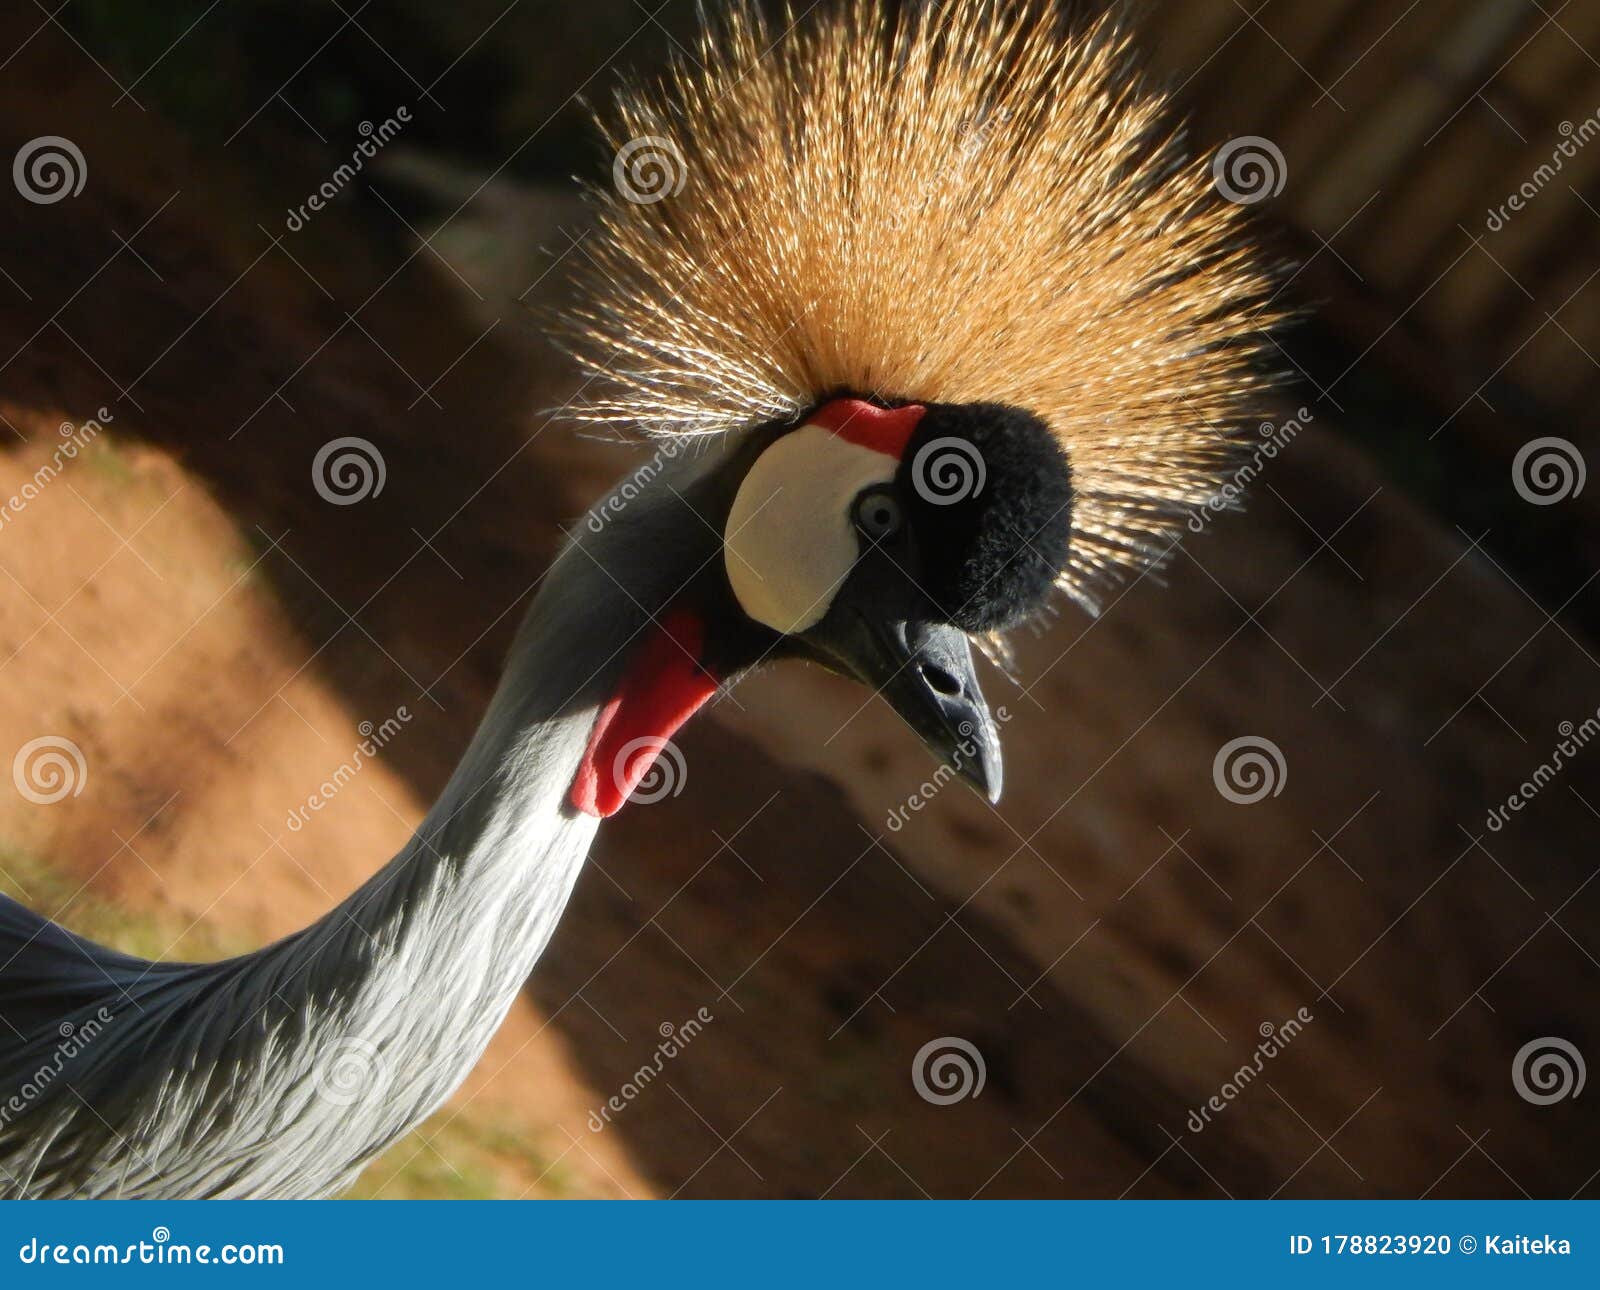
<point x="935" y="690"/>
<point x="925" y="671"/>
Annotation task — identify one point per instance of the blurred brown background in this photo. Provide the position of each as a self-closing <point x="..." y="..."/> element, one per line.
<point x="1408" y="628"/>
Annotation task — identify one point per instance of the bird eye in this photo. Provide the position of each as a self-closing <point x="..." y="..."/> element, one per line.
<point x="878" y="514"/>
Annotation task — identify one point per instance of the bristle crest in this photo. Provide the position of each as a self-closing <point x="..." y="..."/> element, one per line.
<point x="960" y="203"/>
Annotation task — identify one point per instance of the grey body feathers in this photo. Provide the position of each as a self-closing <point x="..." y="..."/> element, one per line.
<point x="281" y="1072"/>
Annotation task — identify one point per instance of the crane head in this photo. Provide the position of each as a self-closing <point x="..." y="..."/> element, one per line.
<point x="873" y="540"/>
<point x="975" y="321"/>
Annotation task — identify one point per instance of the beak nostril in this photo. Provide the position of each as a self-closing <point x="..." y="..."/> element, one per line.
<point x="940" y="681"/>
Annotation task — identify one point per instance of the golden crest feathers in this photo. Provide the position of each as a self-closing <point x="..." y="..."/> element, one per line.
<point x="955" y="203"/>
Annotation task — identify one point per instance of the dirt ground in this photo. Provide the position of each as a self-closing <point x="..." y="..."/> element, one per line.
<point x="1115" y="940"/>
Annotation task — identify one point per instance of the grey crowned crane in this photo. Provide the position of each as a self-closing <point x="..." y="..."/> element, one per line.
<point x="952" y="322"/>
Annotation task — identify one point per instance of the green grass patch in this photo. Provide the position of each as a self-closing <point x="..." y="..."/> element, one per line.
<point x="462" y="1155"/>
<point x="45" y="889"/>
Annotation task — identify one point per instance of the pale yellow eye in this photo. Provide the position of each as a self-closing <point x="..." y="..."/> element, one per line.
<point x="791" y="538"/>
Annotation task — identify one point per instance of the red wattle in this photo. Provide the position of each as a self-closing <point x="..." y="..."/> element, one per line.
<point x="663" y="686"/>
<point x="885" y="430"/>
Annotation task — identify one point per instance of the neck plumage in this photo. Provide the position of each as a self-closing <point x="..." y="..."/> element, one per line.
<point x="282" y="1072"/>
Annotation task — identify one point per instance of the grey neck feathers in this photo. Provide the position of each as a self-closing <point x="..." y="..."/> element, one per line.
<point x="282" y="1072"/>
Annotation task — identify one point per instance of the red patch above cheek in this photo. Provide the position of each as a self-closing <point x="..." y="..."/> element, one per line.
<point x="663" y="686"/>
<point x="885" y="430"/>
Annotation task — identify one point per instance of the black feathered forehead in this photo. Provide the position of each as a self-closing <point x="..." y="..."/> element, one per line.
<point x="986" y="491"/>
<point x="989" y="490"/>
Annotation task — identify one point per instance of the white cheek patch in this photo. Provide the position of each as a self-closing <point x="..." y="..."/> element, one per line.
<point x="790" y="542"/>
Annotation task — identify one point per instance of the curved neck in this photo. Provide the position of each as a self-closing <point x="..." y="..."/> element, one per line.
<point x="283" y="1072"/>
<point x="407" y="980"/>
<point x="501" y="841"/>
